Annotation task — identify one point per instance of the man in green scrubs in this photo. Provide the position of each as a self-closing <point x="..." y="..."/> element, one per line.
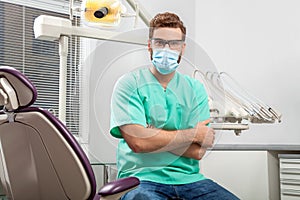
<point x="161" y="117"/>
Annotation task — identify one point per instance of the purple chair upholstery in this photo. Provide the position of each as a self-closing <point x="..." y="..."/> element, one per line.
<point x="39" y="157"/>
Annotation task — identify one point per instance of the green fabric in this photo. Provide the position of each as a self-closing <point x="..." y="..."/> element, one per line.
<point x="138" y="98"/>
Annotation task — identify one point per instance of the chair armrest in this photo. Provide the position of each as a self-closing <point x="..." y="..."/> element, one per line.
<point x="118" y="186"/>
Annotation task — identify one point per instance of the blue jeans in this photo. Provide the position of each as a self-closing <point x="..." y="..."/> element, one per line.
<point x="201" y="190"/>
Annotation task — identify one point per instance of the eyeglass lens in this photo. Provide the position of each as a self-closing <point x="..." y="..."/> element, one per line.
<point x="160" y="43"/>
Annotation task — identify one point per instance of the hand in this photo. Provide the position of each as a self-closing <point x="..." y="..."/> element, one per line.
<point x="204" y="135"/>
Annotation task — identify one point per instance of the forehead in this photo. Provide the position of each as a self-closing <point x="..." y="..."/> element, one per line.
<point x="168" y="33"/>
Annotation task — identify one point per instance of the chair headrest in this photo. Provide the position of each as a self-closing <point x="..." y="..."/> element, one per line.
<point x="16" y="91"/>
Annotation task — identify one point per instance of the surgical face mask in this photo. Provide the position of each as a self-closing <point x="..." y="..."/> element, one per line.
<point x="165" y="60"/>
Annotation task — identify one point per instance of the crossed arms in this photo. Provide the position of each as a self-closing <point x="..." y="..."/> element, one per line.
<point x="191" y="143"/>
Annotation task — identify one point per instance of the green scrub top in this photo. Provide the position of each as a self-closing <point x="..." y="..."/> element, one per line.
<point x="138" y="98"/>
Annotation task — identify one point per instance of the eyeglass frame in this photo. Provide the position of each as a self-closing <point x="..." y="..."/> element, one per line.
<point x="167" y="42"/>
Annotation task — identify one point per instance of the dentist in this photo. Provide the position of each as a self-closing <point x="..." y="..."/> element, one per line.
<point x="161" y="117"/>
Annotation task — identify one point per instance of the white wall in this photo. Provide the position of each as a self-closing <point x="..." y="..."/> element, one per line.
<point x="258" y="43"/>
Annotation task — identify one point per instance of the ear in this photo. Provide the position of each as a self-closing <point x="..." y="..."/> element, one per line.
<point x="183" y="48"/>
<point x="150" y="49"/>
<point x="149" y="45"/>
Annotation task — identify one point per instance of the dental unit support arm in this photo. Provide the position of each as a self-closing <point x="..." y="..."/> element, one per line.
<point x="52" y="28"/>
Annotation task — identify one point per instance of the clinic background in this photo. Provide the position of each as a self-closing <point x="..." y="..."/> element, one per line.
<point x="257" y="42"/>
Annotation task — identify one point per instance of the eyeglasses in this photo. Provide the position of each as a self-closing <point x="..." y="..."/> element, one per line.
<point x="160" y="43"/>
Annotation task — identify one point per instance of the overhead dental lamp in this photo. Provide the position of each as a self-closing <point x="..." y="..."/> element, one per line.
<point x="101" y="12"/>
<point x="104" y="13"/>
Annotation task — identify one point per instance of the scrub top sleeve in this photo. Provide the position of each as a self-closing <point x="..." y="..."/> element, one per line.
<point x="126" y="105"/>
<point x="200" y="111"/>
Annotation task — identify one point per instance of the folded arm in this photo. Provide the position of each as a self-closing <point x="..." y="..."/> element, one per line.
<point x="185" y="142"/>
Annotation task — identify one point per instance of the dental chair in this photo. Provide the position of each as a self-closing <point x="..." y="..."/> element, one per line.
<point x="39" y="157"/>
